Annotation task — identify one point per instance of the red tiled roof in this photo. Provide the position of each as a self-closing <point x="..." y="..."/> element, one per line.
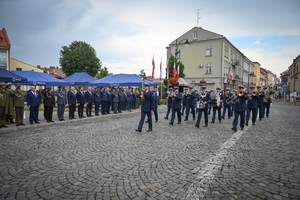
<point x="4" y="40"/>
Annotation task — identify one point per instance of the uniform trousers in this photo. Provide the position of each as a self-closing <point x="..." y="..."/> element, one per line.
<point x="238" y="114"/>
<point x="48" y="113"/>
<point x="188" y="109"/>
<point x="168" y="111"/>
<point x="215" y="109"/>
<point x="254" y="114"/>
<point x="103" y="107"/>
<point x="143" y="115"/>
<point x="183" y="108"/>
<point x="80" y="109"/>
<point x="174" y="111"/>
<point x="2" y="116"/>
<point x="228" y="108"/>
<point x="115" y="107"/>
<point x="19" y="115"/>
<point x="129" y="105"/>
<point x="260" y="111"/>
<point x="88" y="110"/>
<point x="60" y="111"/>
<point x="155" y="114"/>
<point x="108" y="104"/>
<point x="97" y="106"/>
<point x="72" y="108"/>
<point x="204" y="111"/>
<point x="267" y="108"/>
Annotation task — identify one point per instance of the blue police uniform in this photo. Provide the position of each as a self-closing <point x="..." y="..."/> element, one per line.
<point x="97" y="101"/>
<point x="108" y="103"/>
<point x="184" y="102"/>
<point x="190" y="105"/>
<point x="88" y="96"/>
<point x="227" y="105"/>
<point x="156" y="99"/>
<point x="81" y="101"/>
<point x="260" y="104"/>
<point x="129" y="100"/>
<point x="176" y="107"/>
<point x="170" y="102"/>
<point x="147" y="106"/>
<point x="252" y="107"/>
<point x="103" y="101"/>
<point x="205" y="98"/>
<point x="239" y="110"/>
<point x="115" y="101"/>
<point x="61" y="103"/>
<point x="218" y="108"/>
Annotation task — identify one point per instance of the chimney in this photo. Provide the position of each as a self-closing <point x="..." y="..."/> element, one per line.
<point x="38" y="66"/>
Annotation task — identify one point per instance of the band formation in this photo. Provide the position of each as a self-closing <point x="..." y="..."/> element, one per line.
<point x="239" y="104"/>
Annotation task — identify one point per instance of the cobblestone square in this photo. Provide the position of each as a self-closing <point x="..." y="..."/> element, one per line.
<point x="105" y="158"/>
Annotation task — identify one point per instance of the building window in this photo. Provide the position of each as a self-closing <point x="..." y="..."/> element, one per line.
<point x="226" y="54"/>
<point x="209" y="51"/>
<point x="19" y="69"/>
<point x="3" y="58"/>
<point x="195" y="35"/>
<point x="208" y="68"/>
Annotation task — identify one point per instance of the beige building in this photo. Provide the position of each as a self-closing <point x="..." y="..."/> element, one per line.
<point x="294" y="78"/>
<point x="256" y="79"/>
<point x="209" y="56"/>
<point x="22" y="66"/>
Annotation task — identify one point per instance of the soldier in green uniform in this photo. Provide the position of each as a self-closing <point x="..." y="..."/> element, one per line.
<point x="9" y="108"/>
<point x="3" y="98"/>
<point x="19" y="99"/>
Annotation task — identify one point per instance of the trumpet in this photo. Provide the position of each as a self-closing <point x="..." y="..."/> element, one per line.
<point x="254" y="93"/>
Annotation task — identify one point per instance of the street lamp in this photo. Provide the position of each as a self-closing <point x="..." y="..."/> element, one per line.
<point x="186" y="43"/>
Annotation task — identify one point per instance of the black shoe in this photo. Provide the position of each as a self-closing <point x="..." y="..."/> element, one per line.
<point x="206" y="125"/>
<point x="146" y="121"/>
<point x="165" y="117"/>
<point x="16" y="124"/>
<point x="70" y="118"/>
<point x="212" y="122"/>
<point x="91" y="116"/>
<point x="48" y="121"/>
<point x="4" y="126"/>
<point x="11" y="121"/>
<point x="242" y="128"/>
<point x="62" y="119"/>
<point x="193" y="118"/>
<point x="31" y="122"/>
<point x="222" y="117"/>
<point x="138" y="130"/>
<point x="149" y="130"/>
<point x="267" y="116"/>
<point x="22" y="124"/>
<point x="171" y="123"/>
<point x="253" y="123"/>
<point x="98" y="114"/>
<point x="185" y="119"/>
<point x="234" y="129"/>
<point x="73" y="118"/>
<point x="246" y="123"/>
<point x="178" y="122"/>
<point x="197" y="125"/>
<point x="51" y="121"/>
<point x="155" y="120"/>
<point x="37" y="122"/>
<point x="219" y="121"/>
<point x="259" y="119"/>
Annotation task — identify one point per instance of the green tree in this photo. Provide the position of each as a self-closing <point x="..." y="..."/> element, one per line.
<point x="142" y="73"/>
<point x="103" y="72"/>
<point x="177" y="62"/>
<point x="79" y="57"/>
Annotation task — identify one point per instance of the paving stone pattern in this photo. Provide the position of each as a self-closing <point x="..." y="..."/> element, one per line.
<point x="104" y="158"/>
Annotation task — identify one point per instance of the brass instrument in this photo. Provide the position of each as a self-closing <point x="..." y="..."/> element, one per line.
<point x="260" y="93"/>
<point x="267" y="96"/>
<point x="241" y="93"/>
<point x="230" y="99"/>
<point x="254" y="93"/>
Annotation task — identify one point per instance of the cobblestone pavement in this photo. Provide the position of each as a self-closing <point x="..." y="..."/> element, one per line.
<point x="104" y="158"/>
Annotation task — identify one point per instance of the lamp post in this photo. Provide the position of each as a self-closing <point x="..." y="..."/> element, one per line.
<point x="186" y="43"/>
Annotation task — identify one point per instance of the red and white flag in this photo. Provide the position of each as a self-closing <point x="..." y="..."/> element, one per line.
<point x="153" y="67"/>
<point x="160" y="67"/>
<point x="178" y="73"/>
<point x="174" y="71"/>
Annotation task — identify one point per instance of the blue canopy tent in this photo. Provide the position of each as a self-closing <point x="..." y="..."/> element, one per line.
<point x="79" y="78"/>
<point x="120" y="80"/>
<point x="10" y="77"/>
<point x="38" y="78"/>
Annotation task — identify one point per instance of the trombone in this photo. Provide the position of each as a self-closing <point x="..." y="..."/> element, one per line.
<point x="230" y="99"/>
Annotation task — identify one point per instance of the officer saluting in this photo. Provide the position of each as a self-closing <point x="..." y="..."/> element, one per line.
<point x="147" y="108"/>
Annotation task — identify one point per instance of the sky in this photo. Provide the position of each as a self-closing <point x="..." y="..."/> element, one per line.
<point x="126" y="34"/>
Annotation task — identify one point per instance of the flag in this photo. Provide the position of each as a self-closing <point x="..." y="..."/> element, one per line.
<point x="153" y="67"/>
<point x="178" y="73"/>
<point x="231" y="77"/>
<point x="160" y="77"/>
<point x="174" y="71"/>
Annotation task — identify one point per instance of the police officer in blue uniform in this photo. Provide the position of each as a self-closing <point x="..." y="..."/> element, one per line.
<point x="61" y="103"/>
<point x="184" y="100"/>
<point x="190" y="105"/>
<point x="176" y="97"/>
<point x="252" y="105"/>
<point x="227" y="103"/>
<point x="109" y="100"/>
<point x="80" y="101"/>
<point x="146" y="109"/>
<point x="260" y="102"/>
<point x="103" y="101"/>
<point x="156" y="99"/>
<point x="209" y="106"/>
<point x="204" y="100"/>
<point x="218" y="107"/>
<point x="170" y="102"/>
<point x="115" y="100"/>
<point x="88" y="97"/>
<point x="97" y="100"/>
<point x="239" y="108"/>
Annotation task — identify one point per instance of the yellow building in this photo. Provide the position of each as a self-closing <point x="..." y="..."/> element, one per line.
<point x="22" y="66"/>
<point x="294" y="79"/>
<point x="256" y="79"/>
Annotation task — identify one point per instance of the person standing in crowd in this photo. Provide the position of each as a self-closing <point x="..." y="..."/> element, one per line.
<point x="9" y="110"/>
<point x="227" y="103"/>
<point x="97" y="100"/>
<point x="252" y="105"/>
<point x="267" y="102"/>
<point x="137" y="98"/>
<point x="109" y="100"/>
<point x="3" y="100"/>
<point x="49" y="103"/>
<point x="129" y="99"/>
<point x="33" y="100"/>
<point x="72" y="102"/>
<point x="190" y="105"/>
<point x="260" y="102"/>
<point x="61" y="103"/>
<point x="218" y="107"/>
<point x="176" y="97"/>
<point x="133" y="99"/>
<point x="184" y="100"/>
<point x="80" y="101"/>
<point x="170" y="102"/>
<point x="157" y="94"/>
<point x="103" y="101"/>
<point x="146" y="109"/>
<point x="155" y="97"/>
<point x="88" y="97"/>
<point x="239" y="108"/>
<point x="115" y="100"/>
<point x="120" y="94"/>
<point x="19" y="99"/>
<point x="204" y="100"/>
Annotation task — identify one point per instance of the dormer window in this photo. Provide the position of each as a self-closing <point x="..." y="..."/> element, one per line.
<point x="195" y="35"/>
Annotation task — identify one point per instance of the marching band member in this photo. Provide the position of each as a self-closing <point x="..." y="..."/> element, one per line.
<point x="227" y="104"/>
<point x="267" y="102"/>
<point x="204" y="99"/>
<point x="252" y="105"/>
<point x="184" y="100"/>
<point x="176" y="105"/>
<point x="170" y="102"/>
<point x="239" y="108"/>
<point x="190" y="104"/>
<point x="220" y="99"/>
<point x="260" y="102"/>
<point x="156" y="99"/>
<point x="209" y="106"/>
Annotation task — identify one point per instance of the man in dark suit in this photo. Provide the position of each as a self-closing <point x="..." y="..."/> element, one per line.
<point x="81" y="101"/>
<point x="88" y="96"/>
<point x="72" y="102"/>
<point x="147" y="108"/>
<point x="103" y="101"/>
<point x="33" y="99"/>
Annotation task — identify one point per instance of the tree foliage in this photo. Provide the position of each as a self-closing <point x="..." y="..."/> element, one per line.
<point x="142" y="73"/>
<point x="79" y="57"/>
<point x="177" y="62"/>
<point x="103" y="72"/>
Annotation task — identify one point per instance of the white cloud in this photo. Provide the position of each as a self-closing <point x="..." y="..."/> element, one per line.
<point x="257" y="42"/>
